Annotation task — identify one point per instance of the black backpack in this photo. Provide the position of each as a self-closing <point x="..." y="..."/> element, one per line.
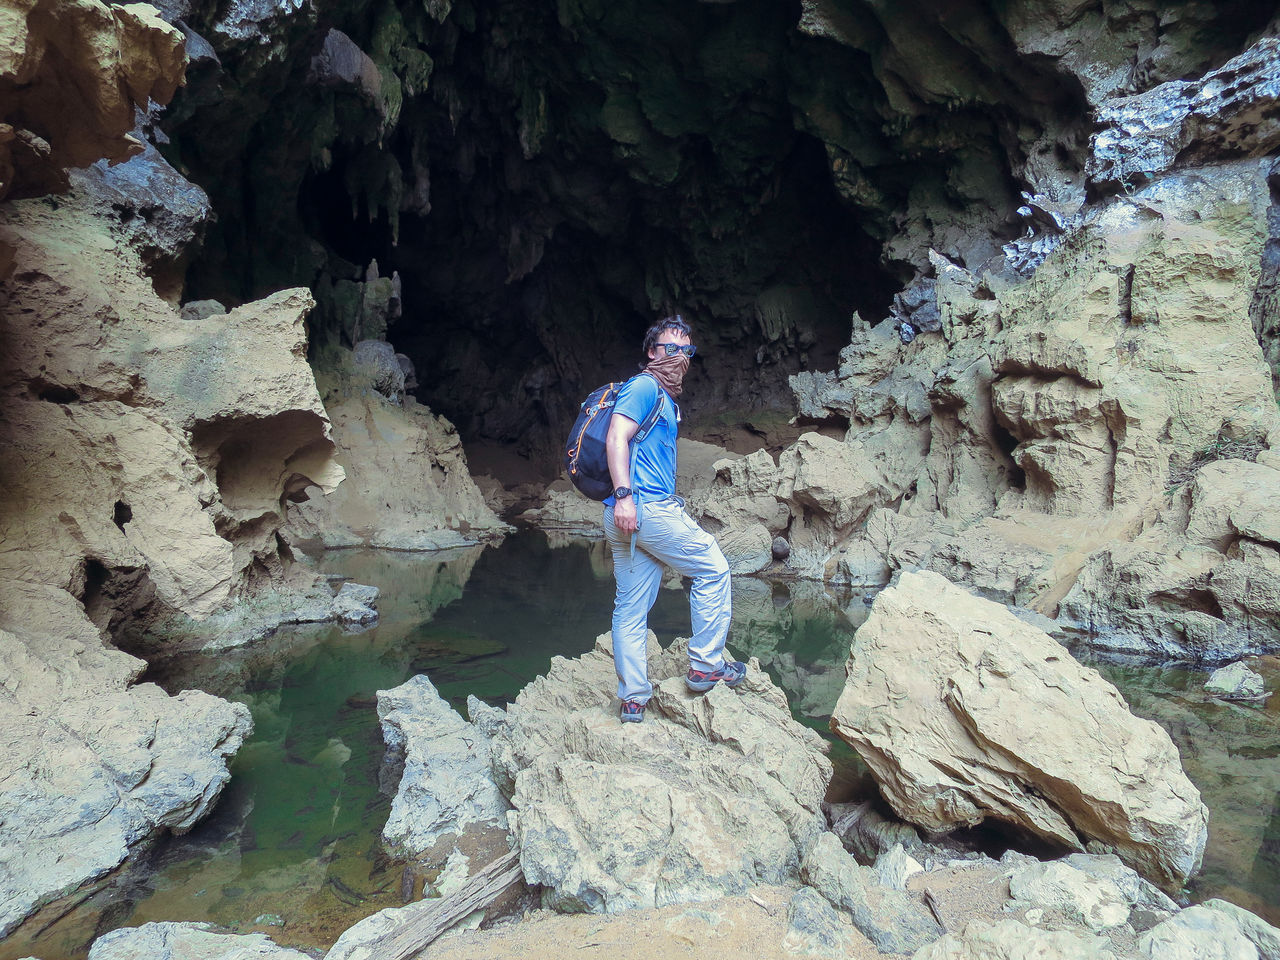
<point x="584" y="455"/>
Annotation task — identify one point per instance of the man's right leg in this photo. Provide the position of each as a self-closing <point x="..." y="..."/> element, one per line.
<point x="638" y="579"/>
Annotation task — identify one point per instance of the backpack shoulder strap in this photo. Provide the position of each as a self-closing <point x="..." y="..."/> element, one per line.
<point x="647" y="424"/>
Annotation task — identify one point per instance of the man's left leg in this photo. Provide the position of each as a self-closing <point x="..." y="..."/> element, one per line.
<point x="670" y="535"/>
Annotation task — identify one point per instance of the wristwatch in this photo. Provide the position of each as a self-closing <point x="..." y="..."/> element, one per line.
<point x="622" y="493"/>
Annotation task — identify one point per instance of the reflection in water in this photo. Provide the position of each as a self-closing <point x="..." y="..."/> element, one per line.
<point x="293" y="847"/>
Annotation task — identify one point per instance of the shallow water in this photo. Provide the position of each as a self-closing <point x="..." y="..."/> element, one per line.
<point x="293" y="847"/>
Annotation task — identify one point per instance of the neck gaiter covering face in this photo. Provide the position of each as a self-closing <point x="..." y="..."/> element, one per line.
<point x="670" y="372"/>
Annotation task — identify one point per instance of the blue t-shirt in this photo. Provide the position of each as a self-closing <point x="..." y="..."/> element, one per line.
<point x="653" y="476"/>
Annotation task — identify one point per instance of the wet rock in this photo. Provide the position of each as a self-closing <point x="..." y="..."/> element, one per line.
<point x="187" y="941"/>
<point x="1017" y="941"/>
<point x="1236" y="682"/>
<point x="711" y="794"/>
<point x="946" y="743"/>
<point x="814" y="928"/>
<point x="1197" y="933"/>
<point x="888" y="918"/>
<point x="1228" y="112"/>
<point x="447" y="784"/>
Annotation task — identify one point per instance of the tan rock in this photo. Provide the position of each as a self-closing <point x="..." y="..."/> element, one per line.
<point x="407" y="485"/>
<point x="948" y="741"/>
<point x="1013" y="940"/>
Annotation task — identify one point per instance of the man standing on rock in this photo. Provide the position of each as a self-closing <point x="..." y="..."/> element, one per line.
<point x="647" y="527"/>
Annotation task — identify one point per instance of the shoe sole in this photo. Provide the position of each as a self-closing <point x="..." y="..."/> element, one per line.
<point x="702" y="686"/>
<point x="632" y="719"/>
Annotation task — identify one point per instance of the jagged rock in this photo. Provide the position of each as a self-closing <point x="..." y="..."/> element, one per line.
<point x="70" y="82"/>
<point x="1230" y="111"/>
<point x="711" y="794"/>
<point x="947" y="743"/>
<point x="1012" y="940"/>
<point x="895" y="867"/>
<point x="814" y="928"/>
<point x="1098" y="892"/>
<point x="1202" y="582"/>
<point x="340" y="61"/>
<point x="868" y="835"/>
<point x="376" y="365"/>
<point x="1261" y="934"/>
<point x="199" y="309"/>
<point x="1197" y="933"/>
<point x="447" y="784"/>
<point x="251" y="20"/>
<point x="1236" y="682"/>
<point x="355" y="604"/>
<point x="159" y="211"/>
<point x="187" y="941"/>
<point x="407" y="485"/>
<point x="888" y="918"/>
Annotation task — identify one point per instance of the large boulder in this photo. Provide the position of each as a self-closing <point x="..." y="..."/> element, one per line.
<point x="940" y="685"/>
<point x="711" y="794"/>
<point x="447" y="784"/>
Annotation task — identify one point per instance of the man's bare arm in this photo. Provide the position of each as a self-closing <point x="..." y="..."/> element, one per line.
<point x="617" y="445"/>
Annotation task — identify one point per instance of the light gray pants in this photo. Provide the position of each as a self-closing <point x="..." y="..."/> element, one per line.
<point x="668" y="536"/>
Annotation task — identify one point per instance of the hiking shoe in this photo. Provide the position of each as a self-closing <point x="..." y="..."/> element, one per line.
<point x="632" y="711"/>
<point x="731" y="673"/>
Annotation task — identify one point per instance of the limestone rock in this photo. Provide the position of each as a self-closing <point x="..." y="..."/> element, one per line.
<point x="868" y="835"/>
<point x="1012" y="940"/>
<point x="1227" y="112"/>
<point x="888" y="918"/>
<point x="814" y="928"/>
<point x="447" y="783"/>
<point x="1197" y="933"/>
<point x="187" y="941"/>
<point x="376" y="365"/>
<point x="711" y="794"/>
<point x="1098" y="896"/>
<point x="1261" y="934"/>
<point x="355" y="604"/>
<point x="895" y="867"/>
<point x="1236" y="682"/>
<point x="70" y="84"/>
<point x="407" y="485"/>
<point x="947" y="743"/>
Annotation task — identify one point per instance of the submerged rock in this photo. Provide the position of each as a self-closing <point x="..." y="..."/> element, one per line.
<point x="940" y="685"/>
<point x="711" y="794"/>
<point x="1236" y="682"/>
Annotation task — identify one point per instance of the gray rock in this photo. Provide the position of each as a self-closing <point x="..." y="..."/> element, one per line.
<point x="1263" y="935"/>
<point x="814" y="928"/>
<point x="377" y="365"/>
<point x="187" y="941"/>
<point x="199" y="50"/>
<point x="1230" y="111"/>
<point x="199" y="309"/>
<point x="341" y="62"/>
<point x="1197" y="933"/>
<point x="1236" y="682"/>
<point x="888" y="918"/>
<point x="895" y="867"/>
<point x="780" y="548"/>
<point x="867" y="834"/>
<point x="354" y="604"/>
<point x="249" y="20"/>
<point x="159" y="211"/>
<point x="1099" y="896"/>
<point x="1013" y="940"/>
<point x="447" y="784"/>
<point x="712" y="794"/>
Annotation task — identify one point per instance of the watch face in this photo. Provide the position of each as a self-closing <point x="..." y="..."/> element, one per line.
<point x="622" y="493"/>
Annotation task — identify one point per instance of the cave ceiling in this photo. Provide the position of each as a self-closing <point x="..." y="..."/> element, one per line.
<point x="543" y="179"/>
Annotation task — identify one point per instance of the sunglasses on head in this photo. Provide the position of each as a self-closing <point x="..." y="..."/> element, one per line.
<point x="688" y="349"/>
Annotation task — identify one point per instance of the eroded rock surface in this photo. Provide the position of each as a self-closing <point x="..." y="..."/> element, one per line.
<point x="447" y="784"/>
<point x="710" y="795"/>
<point x="940" y="685"/>
<point x="187" y="941"/>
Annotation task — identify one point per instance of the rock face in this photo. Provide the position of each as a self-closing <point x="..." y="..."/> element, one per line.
<point x="407" y="485"/>
<point x="70" y="74"/>
<point x="940" y="685"/>
<point x="447" y="783"/>
<point x="154" y="458"/>
<point x="187" y="941"/>
<point x="711" y="794"/>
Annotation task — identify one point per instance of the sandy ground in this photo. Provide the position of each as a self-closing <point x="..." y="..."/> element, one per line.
<point x="732" y="928"/>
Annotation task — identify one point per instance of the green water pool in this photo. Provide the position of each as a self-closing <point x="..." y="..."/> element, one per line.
<point x="292" y="848"/>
